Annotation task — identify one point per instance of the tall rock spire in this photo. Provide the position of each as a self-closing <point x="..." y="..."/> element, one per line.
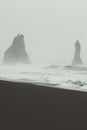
<point x="16" y="53"/>
<point x="77" y="59"/>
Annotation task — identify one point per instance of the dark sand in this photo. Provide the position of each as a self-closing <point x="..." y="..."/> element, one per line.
<point x="26" y="106"/>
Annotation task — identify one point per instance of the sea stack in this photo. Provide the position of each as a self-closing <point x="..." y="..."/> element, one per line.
<point x="77" y="59"/>
<point x="16" y="53"/>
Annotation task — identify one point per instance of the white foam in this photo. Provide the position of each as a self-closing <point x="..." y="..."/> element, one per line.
<point x="35" y="73"/>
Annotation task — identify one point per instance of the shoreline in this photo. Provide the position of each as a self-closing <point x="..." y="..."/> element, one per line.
<point x="29" y="106"/>
<point x="50" y="85"/>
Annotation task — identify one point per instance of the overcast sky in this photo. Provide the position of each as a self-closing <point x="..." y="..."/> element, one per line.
<point x="50" y="27"/>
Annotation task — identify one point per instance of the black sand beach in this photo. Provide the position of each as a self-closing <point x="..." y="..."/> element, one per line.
<point x="26" y="106"/>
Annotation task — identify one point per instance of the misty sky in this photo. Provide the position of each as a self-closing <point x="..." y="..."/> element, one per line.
<point x="50" y="27"/>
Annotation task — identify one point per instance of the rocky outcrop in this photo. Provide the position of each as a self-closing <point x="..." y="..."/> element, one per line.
<point x="16" y="53"/>
<point x="77" y="59"/>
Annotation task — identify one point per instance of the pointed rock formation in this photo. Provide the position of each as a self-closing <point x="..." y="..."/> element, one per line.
<point x="16" y="53"/>
<point x="77" y="59"/>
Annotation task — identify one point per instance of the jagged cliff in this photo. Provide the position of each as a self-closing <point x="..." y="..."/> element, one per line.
<point x="16" y="53"/>
<point x="77" y="59"/>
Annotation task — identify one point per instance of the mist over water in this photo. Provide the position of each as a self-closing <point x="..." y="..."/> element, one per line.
<point x="43" y="64"/>
<point x="50" y="27"/>
<point x="44" y="41"/>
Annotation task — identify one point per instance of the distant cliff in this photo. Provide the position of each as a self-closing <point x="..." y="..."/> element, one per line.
<point x="77" y="59"/>
<point x="16" y="53"/>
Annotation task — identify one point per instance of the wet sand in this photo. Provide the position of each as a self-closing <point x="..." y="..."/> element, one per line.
<point x="25" y="106"/>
